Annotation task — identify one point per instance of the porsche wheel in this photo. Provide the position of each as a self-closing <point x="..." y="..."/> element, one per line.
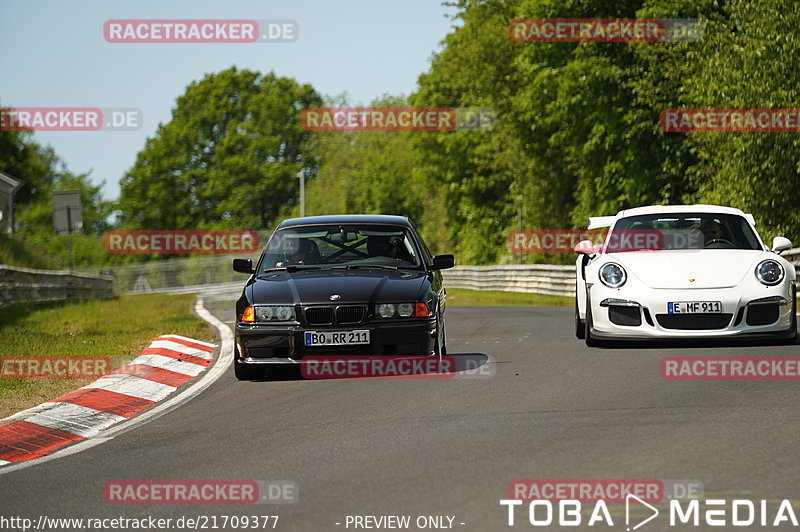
<point x="580" y="325"/>
<point x="793" y="338"/>
<point x="590" y="340"/>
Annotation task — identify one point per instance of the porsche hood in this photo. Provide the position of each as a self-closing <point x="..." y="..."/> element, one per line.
<point x="690" y="269"/>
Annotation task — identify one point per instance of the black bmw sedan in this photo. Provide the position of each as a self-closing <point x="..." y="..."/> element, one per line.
<point x="340" y="285"/>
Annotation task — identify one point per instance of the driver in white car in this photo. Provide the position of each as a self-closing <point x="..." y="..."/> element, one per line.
<point x="711" y="231"/>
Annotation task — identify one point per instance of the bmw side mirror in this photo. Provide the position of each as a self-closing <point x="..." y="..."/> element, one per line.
<point x="780" y="243"/>
<point x="243" y="265"/>
<point x="442" y="262"/>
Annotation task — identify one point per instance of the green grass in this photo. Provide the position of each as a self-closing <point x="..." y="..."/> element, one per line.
<point x="117" y="328"/>
<point x="464" y="297"/>
<point x="14" y="252"/>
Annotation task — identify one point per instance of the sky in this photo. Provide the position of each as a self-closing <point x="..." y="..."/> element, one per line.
<point x="53" y="54"/>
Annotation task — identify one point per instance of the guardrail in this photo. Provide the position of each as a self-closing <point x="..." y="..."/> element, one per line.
<point x="24" y="285"/>
<point x="201" y="273"/>
<point x="530" y="278"/>
<point x="793" y="256"/>
<point x="533" y="278"/>
<point x="183" y="275"/>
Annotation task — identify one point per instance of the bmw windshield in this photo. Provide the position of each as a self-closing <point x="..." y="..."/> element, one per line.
<point x="342" y="246"/>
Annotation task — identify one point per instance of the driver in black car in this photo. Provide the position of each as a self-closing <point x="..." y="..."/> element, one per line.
<point x="382" y="246"/>
<point x="299" y="251"/>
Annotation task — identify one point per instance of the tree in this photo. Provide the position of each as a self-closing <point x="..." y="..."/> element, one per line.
<point x="228" y="158"/>
<point x="374" y="172"/>
<point x="748" y="61"/>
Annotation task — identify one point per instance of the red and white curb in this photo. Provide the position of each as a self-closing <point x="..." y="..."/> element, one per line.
<point x="168" y="362"/>
<point x="83" y="418"/>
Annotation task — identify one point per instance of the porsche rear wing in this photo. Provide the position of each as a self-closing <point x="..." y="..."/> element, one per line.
<point x="596" y="222"/>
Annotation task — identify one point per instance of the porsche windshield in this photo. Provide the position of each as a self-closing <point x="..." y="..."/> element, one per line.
<point x="681" y="231"/>
<point x="342" y="246"/>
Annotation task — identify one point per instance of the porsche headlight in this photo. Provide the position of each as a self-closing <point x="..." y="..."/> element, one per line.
<point x="275" y="313"/>
<point x="613" y="275"/>
<point x="769" y="272"/>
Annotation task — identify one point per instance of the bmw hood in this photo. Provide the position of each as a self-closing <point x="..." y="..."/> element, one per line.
<point x="708" y="268"/>
<point x="352" y="286"/>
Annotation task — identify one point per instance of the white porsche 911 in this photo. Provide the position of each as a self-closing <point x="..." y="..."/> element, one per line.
<point x="698" y="271"/>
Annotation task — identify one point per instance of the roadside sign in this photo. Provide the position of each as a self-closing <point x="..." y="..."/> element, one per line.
<point x="67" y="212"/>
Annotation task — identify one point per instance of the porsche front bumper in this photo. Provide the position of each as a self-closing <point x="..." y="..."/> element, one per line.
<point x="643" y="314"/>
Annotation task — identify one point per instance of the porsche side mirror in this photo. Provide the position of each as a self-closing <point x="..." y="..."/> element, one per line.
<point x="780" y="243"/>
<point x="442" y="262"/>
<point x="585" y="247"/>
<point x="243" y="265"/>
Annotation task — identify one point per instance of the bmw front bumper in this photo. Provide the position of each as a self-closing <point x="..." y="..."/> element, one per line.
<point x="284" y="344"/>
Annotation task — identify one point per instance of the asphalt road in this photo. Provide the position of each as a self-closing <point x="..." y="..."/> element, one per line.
<point x="544" y="407"/>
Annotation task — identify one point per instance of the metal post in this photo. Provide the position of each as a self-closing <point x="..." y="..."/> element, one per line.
<point x="519" y="221"/>
<point x="69" y="236"/>
<point x="302" y="177"/>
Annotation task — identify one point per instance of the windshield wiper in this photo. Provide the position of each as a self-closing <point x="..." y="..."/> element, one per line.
<point x="381" y="266"/>
<point x="293" y="268"/>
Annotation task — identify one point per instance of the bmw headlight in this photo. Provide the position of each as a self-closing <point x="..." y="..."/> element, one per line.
<point x="386" y="310"/>
<point x="275" y="313"/>
<point x="613" y="275"/>
<point x="402" y="310"/>
<point x="769" y="272"/>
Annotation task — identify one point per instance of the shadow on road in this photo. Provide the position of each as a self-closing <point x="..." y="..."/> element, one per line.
<point x="324" y="367"/>
<point x="693" y="344"/>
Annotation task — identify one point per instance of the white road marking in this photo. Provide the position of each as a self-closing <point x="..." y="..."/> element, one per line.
<point x="75" y="419"/>
<point x="24" y="414"/>
<point x="133" y="386"/>
<point x="171" y="364"/>
<point x="179" y="337"/>
<point x="180" y="348"/>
